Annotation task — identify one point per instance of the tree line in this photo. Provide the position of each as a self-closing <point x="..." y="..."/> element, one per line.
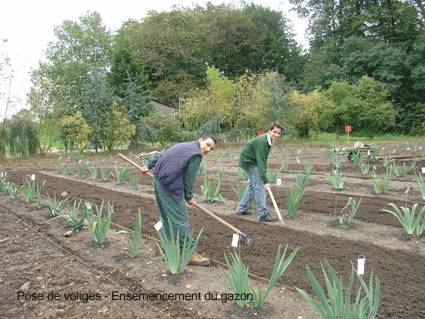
<point x="230" y="67"/>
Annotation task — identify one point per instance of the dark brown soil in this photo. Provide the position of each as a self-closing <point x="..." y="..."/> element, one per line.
<point x="401" y="273"/>
<point x="38" y="259"/>
<point x="38" y="268"/>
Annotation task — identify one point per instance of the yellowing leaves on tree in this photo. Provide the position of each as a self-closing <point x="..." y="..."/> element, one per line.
<point x="261" y="100"/>
<point x="75" y="131"/>
<point x="118" y="127"/>
<point x="217" y="101"/>
<point x="310" y="110"/>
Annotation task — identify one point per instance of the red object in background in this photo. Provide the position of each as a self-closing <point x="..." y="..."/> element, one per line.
<point x="260" y="132"/>
<point x="348" y="129"/>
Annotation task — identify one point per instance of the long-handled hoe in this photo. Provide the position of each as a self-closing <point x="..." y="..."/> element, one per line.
<point x="244" y="238"/>
<point x="279" y="215"/>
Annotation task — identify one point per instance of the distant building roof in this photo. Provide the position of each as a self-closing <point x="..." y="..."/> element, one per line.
<point x="163" y="109"/>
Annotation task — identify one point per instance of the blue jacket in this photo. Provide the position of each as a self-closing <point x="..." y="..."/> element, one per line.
<point x="170" y="168"/>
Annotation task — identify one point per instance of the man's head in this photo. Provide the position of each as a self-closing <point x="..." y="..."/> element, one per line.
<point x="275" y="130"/>
<point x="207" y="143"/>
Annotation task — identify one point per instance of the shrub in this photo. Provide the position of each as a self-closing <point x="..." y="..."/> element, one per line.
<point x="134" y="238"/>
<point x="175" y="257"/>
<point x="121" y="174"/>
<point x="57" y="205"/>
<point x="347" y="217"/>
<point x="210" y="191"/>
<point x="75" y="131"/>
<point x="77" y="218"/>
<point x="380" y="185"/>
<point x="337" y="302"/>
<point x="421" y="184"/>
<point x="335" y="177"/>
<point x="237" y="276"/>
<point x="99" y="224"/>
<point x="280" y="265"/>
<point x="293" y="199"/>
<point x="413" y="224"/>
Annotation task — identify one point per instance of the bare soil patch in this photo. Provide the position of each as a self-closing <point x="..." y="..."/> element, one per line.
<point x="401" y="272"/>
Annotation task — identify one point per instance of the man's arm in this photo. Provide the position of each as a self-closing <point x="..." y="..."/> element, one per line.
<point x="189" y="177"/>
<point x="261" y="157"/>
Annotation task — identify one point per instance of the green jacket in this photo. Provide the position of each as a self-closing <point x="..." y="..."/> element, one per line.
<point x="255" y="153"/>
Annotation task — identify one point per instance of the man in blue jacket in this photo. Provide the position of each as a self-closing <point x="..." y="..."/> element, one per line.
<point x="175" y="175"/>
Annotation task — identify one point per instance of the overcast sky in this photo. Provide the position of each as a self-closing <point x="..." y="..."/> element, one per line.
<point x="27" y="25"/>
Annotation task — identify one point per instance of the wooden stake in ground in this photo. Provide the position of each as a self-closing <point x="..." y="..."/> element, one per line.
<point x="276" y="208"/>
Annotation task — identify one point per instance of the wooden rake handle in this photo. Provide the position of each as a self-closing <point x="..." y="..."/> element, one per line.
<point x="276" y="208"/>
<point x="125" y="158"/>
<point x="220" y="220"/>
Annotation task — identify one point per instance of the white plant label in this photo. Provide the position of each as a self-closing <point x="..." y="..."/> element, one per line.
<point x="33" y="177"/>
<point x="88" y="205"/>
<point x="341" y="185"/>
<point x="279" y="181"/>
<point x="408" y="149"/>
<point x="298" y="160"/>
<point x="299" y="151"/>
<point x="158" y="225"/>
<point x="368" y="153"/>
<point x="235" y="240"/>
<point x="361" y="262"/>
<point x="393" y="150"/>
<point x="79" y="162"/>
<point x="1" y="175"/>
<point x="423" y="170"/>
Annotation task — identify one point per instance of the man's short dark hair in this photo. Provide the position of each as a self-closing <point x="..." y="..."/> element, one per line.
<point x="275" y="124"/>
<point x="211" y="136"/>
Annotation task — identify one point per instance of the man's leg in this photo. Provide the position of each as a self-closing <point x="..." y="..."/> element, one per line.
<point x="243" y="206"/>
<point x="259" y="191"/>
<point x="173" y="211"/>
<point x="177" y="214"/>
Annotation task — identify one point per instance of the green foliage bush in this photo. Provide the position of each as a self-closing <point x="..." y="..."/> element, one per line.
<point x="75" y="131"/>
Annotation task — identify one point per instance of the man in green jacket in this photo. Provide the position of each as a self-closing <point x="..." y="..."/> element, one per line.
<point x="253" y="160"/>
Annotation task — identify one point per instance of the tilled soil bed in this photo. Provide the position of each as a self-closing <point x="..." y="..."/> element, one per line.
<point x="47" y="275"/>
<point x="401" y="273"/>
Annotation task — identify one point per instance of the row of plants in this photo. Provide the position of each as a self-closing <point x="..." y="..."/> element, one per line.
<point x="335" y="301"/>
<point x="90" y="170"/>
<point x="294" y="196"/>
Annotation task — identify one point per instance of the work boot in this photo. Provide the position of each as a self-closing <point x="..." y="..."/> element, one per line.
<point x="198" y="260"/>
<point x="267" y="218"/>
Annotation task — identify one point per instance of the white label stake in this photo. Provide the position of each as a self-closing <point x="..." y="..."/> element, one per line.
<point x="33" y="177"/>
<point x="235" y="240"/>
<point x="158" y="225"/>
<point x="279" y="181"/>
<point x="423" y="170"/>
<point x="361" y="261"/>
